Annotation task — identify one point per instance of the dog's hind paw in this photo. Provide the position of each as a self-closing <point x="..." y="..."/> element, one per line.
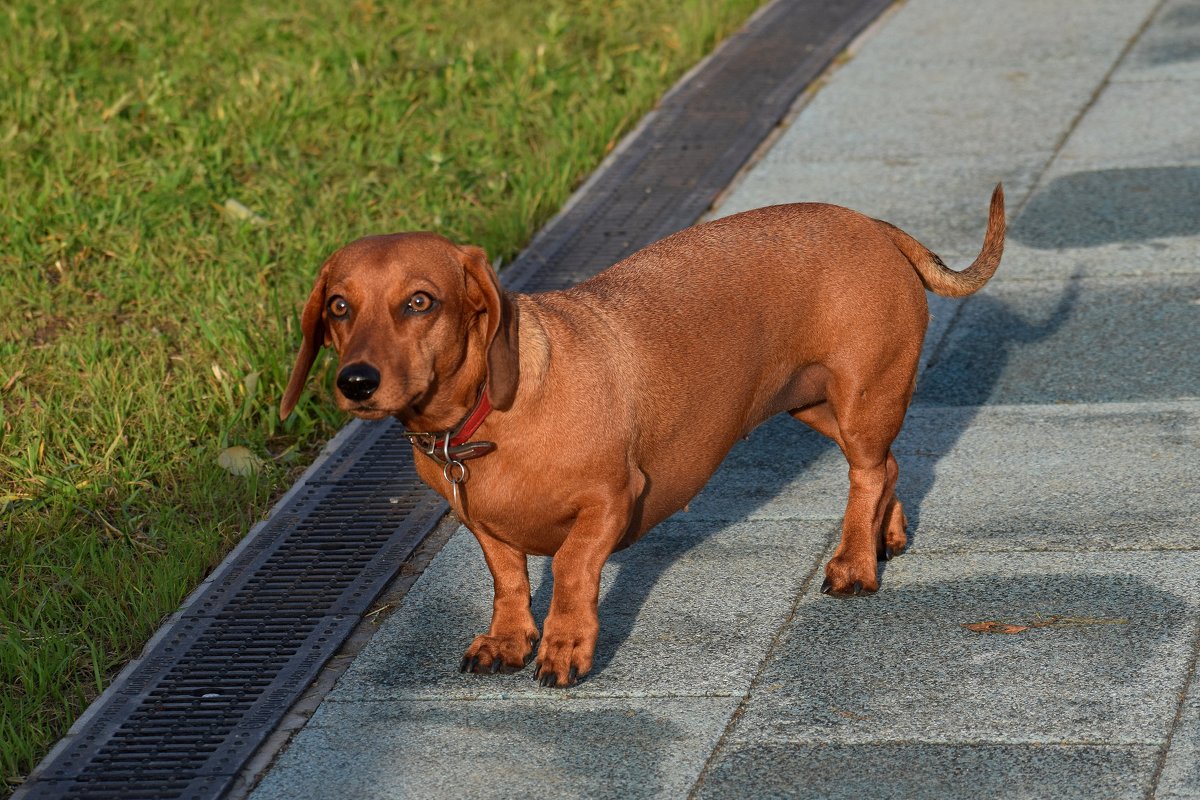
<point x="855" y="590"/>
<point x="847" y="581"/>
<point x="895" y="532"/>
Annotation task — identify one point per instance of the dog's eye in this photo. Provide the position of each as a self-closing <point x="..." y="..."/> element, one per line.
<point x="339" y="308"/>
<point x="419" y="303"/>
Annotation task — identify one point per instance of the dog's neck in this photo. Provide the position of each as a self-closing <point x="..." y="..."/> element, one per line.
<point x="533" y="343"/>
<point x="455" y="444"/>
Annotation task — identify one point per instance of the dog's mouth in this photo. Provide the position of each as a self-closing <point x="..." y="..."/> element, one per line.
<point x="369" y="412"/>
<point x="383" y="403"/>
<point x="372" y="410"/>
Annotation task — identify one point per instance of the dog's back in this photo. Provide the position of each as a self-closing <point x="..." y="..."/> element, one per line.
<point x="728" y="323"/>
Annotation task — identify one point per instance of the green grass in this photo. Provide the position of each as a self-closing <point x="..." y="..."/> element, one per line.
<point x="143" y="328"/>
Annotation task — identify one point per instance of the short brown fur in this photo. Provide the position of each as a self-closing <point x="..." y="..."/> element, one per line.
<point x="617" y="399"/>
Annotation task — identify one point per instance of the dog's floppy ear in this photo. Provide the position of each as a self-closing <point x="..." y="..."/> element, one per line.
<point x="503" y="361"/>
<point x="312" y="323"/>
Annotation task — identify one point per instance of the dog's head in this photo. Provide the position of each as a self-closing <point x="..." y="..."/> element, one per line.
<point x="409" y="315"/>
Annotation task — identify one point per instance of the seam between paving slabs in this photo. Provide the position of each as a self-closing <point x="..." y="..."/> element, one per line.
<point x="1189" y="684"/>
<point x="211" y="686"/>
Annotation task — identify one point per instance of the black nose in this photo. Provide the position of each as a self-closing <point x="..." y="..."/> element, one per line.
<point x="358" y="381"/>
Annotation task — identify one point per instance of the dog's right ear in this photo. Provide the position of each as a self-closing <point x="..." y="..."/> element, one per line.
<point x="312" y="323"/>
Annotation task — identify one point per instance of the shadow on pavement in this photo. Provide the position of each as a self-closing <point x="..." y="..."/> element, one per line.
<point x="638" y="568"/>
<point x="965" y="373"/>
<point x="1112" y="206"/>
<point x="1179" y="37"/>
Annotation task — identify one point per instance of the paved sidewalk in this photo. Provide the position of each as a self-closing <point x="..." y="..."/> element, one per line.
<point x="1049" y="467"/>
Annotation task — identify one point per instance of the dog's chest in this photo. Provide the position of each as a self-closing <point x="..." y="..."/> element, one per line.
<point x="530" y="516"/>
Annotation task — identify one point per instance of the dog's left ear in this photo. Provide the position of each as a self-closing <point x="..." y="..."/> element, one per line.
<point x="312" y="323"/>
<point x="503" y="358"/>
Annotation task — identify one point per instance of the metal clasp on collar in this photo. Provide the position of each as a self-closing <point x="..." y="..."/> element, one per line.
<point x="451" y="457"/>
<point x="454" y="471"/>
<point x="453" y="448"/>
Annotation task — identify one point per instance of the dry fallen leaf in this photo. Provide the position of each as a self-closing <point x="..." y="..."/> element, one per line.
<point x="238" y="211"/>
<point x="239" y="460"/>
<point x="992" y="626"/>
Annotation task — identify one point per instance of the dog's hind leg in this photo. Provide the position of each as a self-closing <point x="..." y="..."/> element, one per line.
<point x="874" y="524"/>
<point x="895" y="523"/>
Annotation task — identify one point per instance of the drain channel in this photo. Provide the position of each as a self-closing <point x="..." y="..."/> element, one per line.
<point x="181" y="721"/>
<point x="210" y="687"/>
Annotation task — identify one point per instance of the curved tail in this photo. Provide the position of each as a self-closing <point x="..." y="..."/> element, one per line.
<point x="940" y="279"/>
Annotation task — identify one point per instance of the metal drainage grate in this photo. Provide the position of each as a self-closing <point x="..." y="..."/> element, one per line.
<point x="182" y="721"/>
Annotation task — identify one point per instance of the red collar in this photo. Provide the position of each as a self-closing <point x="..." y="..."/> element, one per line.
<point x="458" y="447"/>
<point x="468" y="426"/>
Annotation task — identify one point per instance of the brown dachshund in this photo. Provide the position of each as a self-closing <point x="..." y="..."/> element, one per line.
<point x="570" y="423"/>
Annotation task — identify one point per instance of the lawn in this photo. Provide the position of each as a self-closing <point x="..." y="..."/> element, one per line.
<point x="173" y="175"/>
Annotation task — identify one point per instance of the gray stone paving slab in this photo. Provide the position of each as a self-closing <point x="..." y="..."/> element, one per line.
<point x="1088" y="340"/>
<point x="783" y="471"/>
<point x="1010" y="34"/>
<point x="1060" y="477"/>
<point x="1107" y="649"/>
<point x="903" y="771"/>
<point x="689" y="610"/>
<point x="911" y="111"/>
<point x="551" y="747"/>
<point x="1175" y="255"/>
<point x="1170" y="48"/>
<point x="1139" y="123"/>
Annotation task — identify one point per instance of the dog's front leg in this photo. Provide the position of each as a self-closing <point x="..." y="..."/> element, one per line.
<point x="572" y="625"/>
<point x="507" y="645"/>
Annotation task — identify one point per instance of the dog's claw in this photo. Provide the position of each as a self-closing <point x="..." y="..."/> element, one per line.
<point x="496" y="664"/>
<point x="572" y="676"/>
<point x="549" y="679"/>
<point x="854" y="590"/>
<point x="462" y="665"/>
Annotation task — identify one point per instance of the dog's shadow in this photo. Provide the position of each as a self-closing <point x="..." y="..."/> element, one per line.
<point x="963" y="371"/>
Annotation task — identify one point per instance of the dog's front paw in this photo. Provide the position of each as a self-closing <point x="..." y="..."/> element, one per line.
<point x="498" y="653"/>
<point x="845" y="578"/>
<point x="563" y="659"/>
